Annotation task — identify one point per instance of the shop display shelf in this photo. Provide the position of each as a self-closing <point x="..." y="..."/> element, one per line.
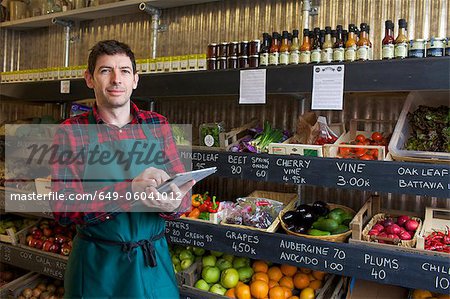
<point x="384" y="265"/>
<point x="404" y="178"/>
<point x="370" y="76"/>
<point x="95" y="12"/>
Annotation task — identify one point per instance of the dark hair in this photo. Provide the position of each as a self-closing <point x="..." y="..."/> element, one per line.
<point x="109" y="47"/>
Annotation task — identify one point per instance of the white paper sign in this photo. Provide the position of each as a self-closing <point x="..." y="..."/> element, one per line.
<point x="328" y="87"/>
<point x="253" y="87"/>
<point x="65" y="86"/>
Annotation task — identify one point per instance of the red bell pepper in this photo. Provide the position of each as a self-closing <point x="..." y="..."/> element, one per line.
<point x="204" y="207"/>
<point x="214" y="206"/>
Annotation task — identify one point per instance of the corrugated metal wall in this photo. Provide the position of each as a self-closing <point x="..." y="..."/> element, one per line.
<point x="191" y="28"/>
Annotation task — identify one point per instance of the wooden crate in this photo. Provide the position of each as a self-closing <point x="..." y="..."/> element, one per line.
<point x="12" y="236"/>
<point x="332" y="150"/>
<point x="30" y="282"/>
<point x="23" y="275"/>
<point x="311" y="150"/>
<point x="43" y="185"/>
<point x="368" y="215"/>
<point x="288" y="199"/>
<point x="230" y="138"/>
<point x="435" y="220"/>
<point x="189" y="276"/>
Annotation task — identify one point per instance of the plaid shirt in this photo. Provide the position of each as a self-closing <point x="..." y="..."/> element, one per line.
<point x="67" y="179"/>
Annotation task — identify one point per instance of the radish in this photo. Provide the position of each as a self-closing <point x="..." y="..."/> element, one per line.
<point x="411" y="225"/>
<point x="402" y="219"/>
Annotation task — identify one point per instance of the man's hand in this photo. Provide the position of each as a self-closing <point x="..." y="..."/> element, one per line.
<point x="150" y="177"/>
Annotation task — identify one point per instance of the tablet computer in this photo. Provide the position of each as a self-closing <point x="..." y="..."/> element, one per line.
<point x="182" y="178"/>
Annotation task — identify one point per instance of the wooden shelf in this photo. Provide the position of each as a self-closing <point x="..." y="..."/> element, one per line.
<point x="96" y="12"/>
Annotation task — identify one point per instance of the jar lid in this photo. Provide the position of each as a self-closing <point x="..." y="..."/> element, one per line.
<point x="254" y="56"/>
<point x="243" y="57"/>
<point x="212" y="44"/>
<point x="244" y="42"/>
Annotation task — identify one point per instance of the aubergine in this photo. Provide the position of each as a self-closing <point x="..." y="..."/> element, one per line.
<point x="291" y="227"/>
<point x="290" y="217"/>
<point x="320" y="208"/>
<point x="300" y="229"/>
<point x="304" y="208"/>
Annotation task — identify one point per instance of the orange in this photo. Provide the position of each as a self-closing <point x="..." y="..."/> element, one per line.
<point x="305" y="270"/>
<point x="276" y="293"/>
<point x="287" y="292"/>
<point x="442" y="296"/>
<point x="315" y="284"/>
<point x="260" y="276"/>
<point x="301" y="281"/>
<point x="288" y="270"/>
<point x="287" y="282"/>
<point x="421" y="294"/>
<point x="293" y="297"/>
<point x="231" y="293"/>
<point x="259" y="289"/>
<point x="307" y="293"/>
<point x="273" y="283"/>
<point x="274" y="273"/>
<point x="260" y="266"/>
<point x="243" y="291"/>
<point x="318" y="274"/>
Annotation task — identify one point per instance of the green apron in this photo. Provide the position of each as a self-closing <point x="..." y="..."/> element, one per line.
<point x="98" y="266"/>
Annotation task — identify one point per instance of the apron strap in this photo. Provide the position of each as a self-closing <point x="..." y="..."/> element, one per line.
<point x="147" y="246"/>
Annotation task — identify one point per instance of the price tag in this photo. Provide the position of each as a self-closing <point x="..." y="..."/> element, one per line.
<point x="351" y="174"/>
<point x="65" y="86"/>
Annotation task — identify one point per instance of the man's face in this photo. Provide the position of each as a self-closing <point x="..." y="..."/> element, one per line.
<point x="113" y="80"/>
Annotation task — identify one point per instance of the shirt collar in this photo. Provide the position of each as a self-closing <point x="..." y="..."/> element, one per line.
<point x="135" y="111"/>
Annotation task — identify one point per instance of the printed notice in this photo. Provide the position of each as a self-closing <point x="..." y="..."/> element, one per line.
<point x="253" y="87"/>
<point x="328" y="87"/>
<point x="65" y="86"/>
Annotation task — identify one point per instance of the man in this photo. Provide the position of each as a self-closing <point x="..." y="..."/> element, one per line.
<point x="116" y="254"/>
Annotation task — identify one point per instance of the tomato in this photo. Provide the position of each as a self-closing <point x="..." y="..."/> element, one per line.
<point x="376" y="136"/>
<point x="360" y="138"/>
<point x="360" y="151"/>
<point x="344" y="151"/>
<point x="366" y="157"/>
<point x="375" y="154"/>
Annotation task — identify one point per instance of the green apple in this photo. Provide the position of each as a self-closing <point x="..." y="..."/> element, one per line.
<point x="178" y="268"/>
<point x="218" y="289"/>
<point x="216" y="253"/>
<point x="198" y="251"/>
<point x="228" y="257"/>
<point x="223" y="264"/>
<point x="229" y="278"/>
<point x="240" y="262"/>
<point x="211" y="274"/>
<point x="175" y="260"/>
<point x="245" y="273"/>
<point x="174" y="269"/>
<point x="202" y="285"/>
<point x="186" y="263"/>
<point x="209" y="260"/>
<point x="186" y="255"/>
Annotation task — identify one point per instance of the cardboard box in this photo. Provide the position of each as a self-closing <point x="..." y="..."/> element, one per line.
<point x="362" y="289"/>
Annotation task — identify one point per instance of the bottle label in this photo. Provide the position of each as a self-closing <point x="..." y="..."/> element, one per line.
<point x="264" y="59"/>
<point x="284" y="58"/>
<point x="350" y="53"/>
<point x="315" y="55"/>
<point x="338" y="54"/>
<point x="388" y="51"/>
<point x="294" y="57"/>
<point x="401" y="50"/>
<point x="362" y="53"/>
<point x="435" y="52"/>
<point x="305" y="57"/>
<point x="274" y="58"/>
<point x="327" y="55"/>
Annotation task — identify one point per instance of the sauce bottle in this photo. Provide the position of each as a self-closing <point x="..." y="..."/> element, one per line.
<point x="401" y="42"/>
<point x="333" y="36"/>
<point x="370" y="43"/>
<point x="284" y="49"/>
<point x="363" y="45"/>
<point x="316" y="50"/>
<point x="274" y="56"/>
<point x="294" y="50"/>
<point x="264" y="51"/>
<point x="344" y="36"/>
<point x="350" y="45"/>
<point x="388" y="41"/>
<point x="305" y="49"/>
<point x="338" y="49"/>
<point x="327" y="46"/>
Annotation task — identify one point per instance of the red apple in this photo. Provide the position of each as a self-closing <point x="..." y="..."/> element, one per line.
<point x="60" y="239"/>
<point x="31" y="242"/>
<point x="37" y="233"/>
<point x="54" y="248"/>
<point x="38" y="243"/>
<point x="65" y="249"/>
<point x="47" y="244"/>
<point x="47" y="232"/>
<point x="28" y="239"/>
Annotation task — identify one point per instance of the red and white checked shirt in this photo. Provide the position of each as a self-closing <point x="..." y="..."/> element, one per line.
<point x="68" y="178"/>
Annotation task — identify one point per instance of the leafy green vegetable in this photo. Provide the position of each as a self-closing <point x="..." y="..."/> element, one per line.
<point x="267" y="136"/>
<point x="430" y="129"/>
